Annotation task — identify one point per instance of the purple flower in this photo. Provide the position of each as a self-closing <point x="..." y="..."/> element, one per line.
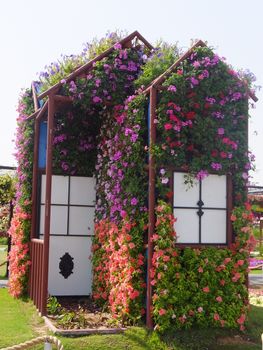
<point x="117" y="155"/>
<point x="134" y="201"/>
<point x="196" y="64"/>
<point x="210" y="100"/>
<point x="117" y="46"/>
<point x="172" y="88"/>
<point x="194" y="82"/>
<point x="220" y="131"/>
<point x="63" y="81"/>
<point x="165" y="180"/>
<point x="73" y="87"/>
<point x="216" y="166"/>
<point x="245" y="176"/>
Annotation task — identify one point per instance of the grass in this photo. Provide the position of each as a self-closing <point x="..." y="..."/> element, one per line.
<point x="3" y="255"/>
<point x="19" y="322"/>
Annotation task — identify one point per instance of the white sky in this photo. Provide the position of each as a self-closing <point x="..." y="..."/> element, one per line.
<point x="34" y="33"/>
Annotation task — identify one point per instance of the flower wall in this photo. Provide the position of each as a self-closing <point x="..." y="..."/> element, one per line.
<point x="21" y="222"/>
<point x="201" y="128"/>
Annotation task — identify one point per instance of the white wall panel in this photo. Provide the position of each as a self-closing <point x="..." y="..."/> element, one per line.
<point x="59" y="192"/>
<point x="82" y="190"/>
<point x="186" y="226"/>
<point x="80" y="281"/>
<point x="214" y="226"/>
<point x="81" y="220"/>
<point x="214" y="191"/>
<point x="58" y="220"/>
<point x="183" y="195"/>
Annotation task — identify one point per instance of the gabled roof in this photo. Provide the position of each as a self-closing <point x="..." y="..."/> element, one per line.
<point x="157" y="82"/>
<point x="85" y="67"/>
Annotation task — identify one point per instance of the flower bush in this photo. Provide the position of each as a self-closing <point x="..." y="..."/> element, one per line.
<point x="203" y="286"/>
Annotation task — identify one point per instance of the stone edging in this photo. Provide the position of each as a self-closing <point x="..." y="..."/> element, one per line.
<point x="76" y="332"/>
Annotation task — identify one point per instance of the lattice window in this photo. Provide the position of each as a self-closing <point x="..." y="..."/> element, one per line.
<point x="201" y="210"/>
<point x="72" y="205"/>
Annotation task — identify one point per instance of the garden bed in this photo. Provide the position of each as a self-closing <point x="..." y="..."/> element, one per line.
<point x="79" y="316"/>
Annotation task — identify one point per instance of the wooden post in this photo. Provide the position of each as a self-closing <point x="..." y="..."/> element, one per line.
<point x="51" y="111"/>
<point x="151" y="206"/>
<point x="34" y="179"/>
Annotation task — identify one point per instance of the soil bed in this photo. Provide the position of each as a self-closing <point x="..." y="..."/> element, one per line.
<point x="75" y="313"/>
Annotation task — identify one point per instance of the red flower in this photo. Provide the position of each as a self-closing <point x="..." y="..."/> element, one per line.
<point x="241" y="319"/>
<point x="214" y="153"/>
<point x="216" y="317"/>
<point x="190" y="115"/>
<point x="190" y="147"/>
<point x="233" y="217"/>
<point x="168" y="126"/>
<point x="206" y="289"/>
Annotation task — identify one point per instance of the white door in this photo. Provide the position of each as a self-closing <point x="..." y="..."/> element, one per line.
<point x="71" y="231"/>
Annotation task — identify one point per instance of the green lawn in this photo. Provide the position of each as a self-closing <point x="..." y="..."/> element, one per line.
<point x="2" y="259"/>
<point x="19" y="322"/>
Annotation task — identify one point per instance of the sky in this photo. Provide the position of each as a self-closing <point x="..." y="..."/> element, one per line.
<point x="34" y="33"/>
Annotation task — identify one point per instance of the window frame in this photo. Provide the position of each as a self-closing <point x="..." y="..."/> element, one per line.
<point x="229" y="208"/>
<point x="68" y="205"/>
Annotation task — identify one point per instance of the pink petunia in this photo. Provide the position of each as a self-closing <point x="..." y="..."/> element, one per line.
<point x="162" y="312"/>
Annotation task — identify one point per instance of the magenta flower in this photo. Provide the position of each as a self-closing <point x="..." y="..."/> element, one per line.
<point x="96" y="99"/>
<point x="216" y="166"/>
<point x="117" y="46"/>
<point x="134" y="201"/>
<point x="172" y="88"/>
<point x="201" y="174"/>
<point x="194" y="82"/>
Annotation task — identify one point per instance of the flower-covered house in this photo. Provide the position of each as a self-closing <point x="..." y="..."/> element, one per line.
<point x="132" y="185"/>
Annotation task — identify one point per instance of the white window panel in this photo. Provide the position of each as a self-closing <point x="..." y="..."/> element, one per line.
<point x="81" y="220"/>
<point x="59" y="191"/>
<point x="214" y="191"/>
<point x="82" y="190"/>
<point x="186" y="225"/>
<point x="58" y="220"/>
<point x="214" y="226"/>
<point x="185" y="196"/>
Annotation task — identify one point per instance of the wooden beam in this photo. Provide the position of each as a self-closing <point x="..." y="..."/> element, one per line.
<point x="35" y="179"/>
<point x="159" y="80"/>
<point x="151" y="205"/>
<point x="36" y="105"/>
<point x="51" y="112"/>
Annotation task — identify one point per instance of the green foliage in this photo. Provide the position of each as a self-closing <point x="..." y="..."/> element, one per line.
<point x="7" y="190"/>
<point x="162" y="57"/>
<point x="53" y="306"/>
<point x="59" y="70"/>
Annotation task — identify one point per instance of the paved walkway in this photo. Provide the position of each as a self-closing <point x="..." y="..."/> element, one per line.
<point x="255" y="280"/>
